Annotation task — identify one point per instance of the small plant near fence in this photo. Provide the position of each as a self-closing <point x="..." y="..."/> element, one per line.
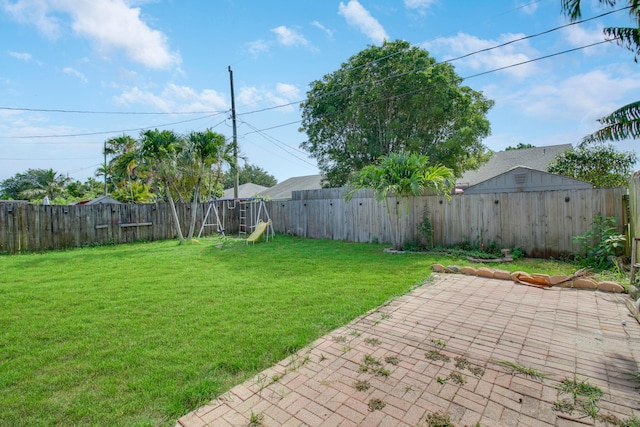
<point x="601" y="244"/>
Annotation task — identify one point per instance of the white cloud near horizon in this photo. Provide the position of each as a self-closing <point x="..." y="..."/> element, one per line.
<point x="112" y="25"/>
<point x="174" y="98"/>
<point x="359" y="17"/>
<point x="462" y="44"/>
<point x="289" y="37"/>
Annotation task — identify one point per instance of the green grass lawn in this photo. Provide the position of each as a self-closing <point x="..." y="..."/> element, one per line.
<point x="141" y="334"/>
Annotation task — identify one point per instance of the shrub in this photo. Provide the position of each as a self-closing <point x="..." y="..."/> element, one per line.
<point x="600" y="244"/>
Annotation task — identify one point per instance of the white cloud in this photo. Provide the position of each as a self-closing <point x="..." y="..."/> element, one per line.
<point x="110" y="24"/>
<point x="75" y="73"/>
<point x="418" y="4"/>
<point x="174" y="98"/>
<point x="462" y="44"/>
<point x="578" y="36"/>
<point x="257" y="46"/>
<point x="360" y="18"/>
<point x="289" y="37"/>
<point x="21" y="55"/>
<point x="282" y="94"/>
<point x="327" y="31"/>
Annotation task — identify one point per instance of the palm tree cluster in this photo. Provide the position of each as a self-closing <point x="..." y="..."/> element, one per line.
<point x="162" y="165"/>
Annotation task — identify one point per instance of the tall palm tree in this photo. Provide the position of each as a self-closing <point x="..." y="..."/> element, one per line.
<point x="396" y="177"/>
<point x="124" y="161"/>
<point x="624" y="123"/>
<point x="160" y="149"/>
<point x="203" y="150"/>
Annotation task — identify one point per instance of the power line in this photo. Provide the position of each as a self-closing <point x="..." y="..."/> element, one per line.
<point x="110" y="131"/>
<point x="441" y="62"/>
<point x="462" y="79"/>
<point x="279" y="144"/>
<point x="126" y="113"/>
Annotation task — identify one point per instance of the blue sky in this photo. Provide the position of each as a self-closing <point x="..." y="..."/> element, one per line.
<point x="168" y="60"/>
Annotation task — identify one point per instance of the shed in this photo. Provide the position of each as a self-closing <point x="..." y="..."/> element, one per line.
<point x="102" y="200"/>
<point x="522" y="178"/>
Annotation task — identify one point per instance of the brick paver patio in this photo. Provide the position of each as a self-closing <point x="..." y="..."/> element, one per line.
<point x="479" y="324"/>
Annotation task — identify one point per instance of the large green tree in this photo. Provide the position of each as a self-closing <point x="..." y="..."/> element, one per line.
<point x="394" y="178"/>
<point x="250" y="174"/>
<point x="624" y="123"/>
<point x="393" y="98"/>
<point x="601" y="165"/>
<point x="35" y="184"/>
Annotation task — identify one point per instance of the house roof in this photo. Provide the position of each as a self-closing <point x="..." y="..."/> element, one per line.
<point x="522" y="178"/>
<point x="537" y="158"/>
<point x="284" y="189"/>
<point x="100" y="200"/>
<point x="245" y="191"/>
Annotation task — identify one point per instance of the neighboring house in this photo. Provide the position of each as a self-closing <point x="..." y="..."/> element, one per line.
<point x="537" y="158"/>
<point x="245" y="191"/>
<point x="521" y="178"/>
<point x="284" y="189"/>
<point x="102" y="200"/>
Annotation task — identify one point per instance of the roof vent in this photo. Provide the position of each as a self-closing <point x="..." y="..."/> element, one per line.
<point x="520" y="178"/>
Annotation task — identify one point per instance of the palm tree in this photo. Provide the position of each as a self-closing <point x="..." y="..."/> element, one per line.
<point x="399" y="176"/>
<point x="203" y="150"/>
<point x="159" y="149"/>
<point x="624" y="123"/>
<point x="44" y="182"/>
<point x="124" y="161"/>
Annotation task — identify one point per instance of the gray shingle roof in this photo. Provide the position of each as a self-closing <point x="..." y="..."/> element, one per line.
<point x="537" y="158"/>
<point x="284" y="189"/>
<point x="245" y="191"/>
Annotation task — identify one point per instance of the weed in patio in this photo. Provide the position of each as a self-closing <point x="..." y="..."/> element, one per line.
<point x="461" y="362"/>
<point x="340" y="339"/>
<point x="382" y="372"/>
<point x="565" y="406"/>
<point x="376" y="404"/>
<point x="363" y="368"/>
<point x="476" y="370"/>
<point x="436" y="355"/>
<point x="322" y="357"/>
<point x="438" y="342"/>
<point x="372" y="341"/>
<point x="526" y="371"/>
<point x="361" y="385"/>
<point x="355" y="333"/>
<point x="385" y="316"/>
<point x="261" y="382"/>
<point x="275" y="378"/>
<point x="457" y="378"/>
<point x="346" y="348"/>
<point x="585" y="396"/>
<point x="439" y="419"/>
<point x="371" y="361"/>
<point x="392" y="360"/>
<point x="256" y="420"/>
<point x="442" y="380"/>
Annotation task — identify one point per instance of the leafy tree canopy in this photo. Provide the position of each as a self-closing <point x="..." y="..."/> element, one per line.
<point x="250" y="173"/>
<point x="34" y="184"/>
<point x="520" y="146"/>
<point x="393" y="98"/>
<point x="601" y="165"/>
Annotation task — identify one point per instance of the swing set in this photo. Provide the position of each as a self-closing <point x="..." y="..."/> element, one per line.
<point x="252" y="216"/>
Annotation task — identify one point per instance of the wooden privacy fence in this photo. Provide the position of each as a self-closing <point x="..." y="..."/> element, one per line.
<point x="540" y="223"/>
<point x="31" y="228"/>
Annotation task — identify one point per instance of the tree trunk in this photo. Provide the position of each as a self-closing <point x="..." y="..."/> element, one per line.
<point x="194" y="209"/>
<point x="176" y="220"/>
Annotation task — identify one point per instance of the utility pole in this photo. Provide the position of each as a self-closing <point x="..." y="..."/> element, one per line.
<point x="236" y="179"/>
<point x="105" y="167"/>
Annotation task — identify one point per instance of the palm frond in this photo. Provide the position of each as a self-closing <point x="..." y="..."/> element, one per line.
<point x="626" y="37"/>
<point x="624" y="123"/>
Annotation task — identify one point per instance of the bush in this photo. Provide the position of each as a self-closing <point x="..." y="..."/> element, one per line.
<point x="600" y="244"/>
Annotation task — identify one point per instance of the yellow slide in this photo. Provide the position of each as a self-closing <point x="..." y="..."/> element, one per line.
<point x="260" y="228"/>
